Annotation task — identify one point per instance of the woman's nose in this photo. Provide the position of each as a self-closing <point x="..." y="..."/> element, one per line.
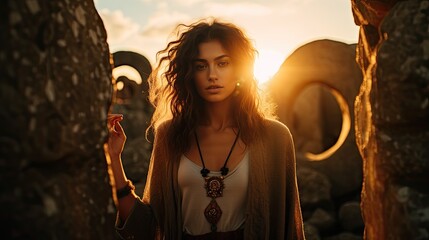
<point x="212" y="74"/>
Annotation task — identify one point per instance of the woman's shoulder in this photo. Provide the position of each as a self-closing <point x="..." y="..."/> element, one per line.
<point x="277" y="132"/>
<point x="275" y="126"/>
<point x="163" y="126"/>
<point x="161" y="130"/>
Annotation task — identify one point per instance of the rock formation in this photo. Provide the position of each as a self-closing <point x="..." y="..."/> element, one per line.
<point x="56" y="90"/>
<point x="392" y="117"/>
<point x="315" y="90"/>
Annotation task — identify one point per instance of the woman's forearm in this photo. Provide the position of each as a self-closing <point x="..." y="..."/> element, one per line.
<point x="125" y="204"/>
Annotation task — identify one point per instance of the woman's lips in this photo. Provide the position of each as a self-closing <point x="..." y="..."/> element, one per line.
<point x="214" y="88"/>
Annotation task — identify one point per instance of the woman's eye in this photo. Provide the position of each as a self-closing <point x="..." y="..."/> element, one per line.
<point x="223" y="64"/>
<point x="200" y="67"/>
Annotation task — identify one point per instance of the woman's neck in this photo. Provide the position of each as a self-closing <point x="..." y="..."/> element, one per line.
<point x="218" y="116"/>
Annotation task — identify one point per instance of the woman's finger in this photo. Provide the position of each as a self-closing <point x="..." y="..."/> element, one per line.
<point x="114" y="115"/>
<point x="112" y="119"/>
<point x="118" y="128"/>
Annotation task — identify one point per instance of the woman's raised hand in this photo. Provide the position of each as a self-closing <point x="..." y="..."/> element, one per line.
<point x="117" y="135"/>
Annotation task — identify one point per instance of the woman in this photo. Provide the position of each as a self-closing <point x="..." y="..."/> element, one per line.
<point x="220" y="168"/>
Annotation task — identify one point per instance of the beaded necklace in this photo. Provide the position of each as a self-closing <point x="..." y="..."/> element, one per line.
<point x="214" y="186"/>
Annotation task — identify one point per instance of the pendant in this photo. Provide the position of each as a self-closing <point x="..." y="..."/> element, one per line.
<point x="213" y="214"/>
<point x="214" y="186"/>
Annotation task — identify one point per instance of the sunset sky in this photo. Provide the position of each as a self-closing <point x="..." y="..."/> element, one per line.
<point x="277" y="27"/>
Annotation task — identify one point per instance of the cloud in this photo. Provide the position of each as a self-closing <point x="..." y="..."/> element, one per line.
<point x="118" y="26"/>
<point x="237" y="9"/>
<point x="163" y="23"/>
<point x="189" y="2"/>
<point x="274" y="25"/>
<point x="168" y="15"/>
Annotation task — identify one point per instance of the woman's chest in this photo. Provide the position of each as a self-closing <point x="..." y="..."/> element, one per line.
<point x="216" y="151"/>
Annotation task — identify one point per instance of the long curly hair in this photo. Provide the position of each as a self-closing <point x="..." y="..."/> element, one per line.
<point x="173" y="92"/>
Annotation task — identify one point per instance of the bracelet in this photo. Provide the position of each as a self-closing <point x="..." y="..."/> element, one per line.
<point x="123" y="192"/>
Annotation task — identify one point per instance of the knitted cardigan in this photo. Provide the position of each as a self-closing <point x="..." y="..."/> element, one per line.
<point x="273" y="208"/>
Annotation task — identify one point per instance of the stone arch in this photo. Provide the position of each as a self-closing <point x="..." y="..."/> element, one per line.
<point x="314" y="90"/>
<point x="327" y="63"/>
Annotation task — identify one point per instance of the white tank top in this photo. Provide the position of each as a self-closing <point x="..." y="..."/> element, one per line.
<point x="195" y="200"/>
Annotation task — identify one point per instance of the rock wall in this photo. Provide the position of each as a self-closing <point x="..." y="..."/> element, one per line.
<point x="392" y="117"/>
<point x="55" y="94"/>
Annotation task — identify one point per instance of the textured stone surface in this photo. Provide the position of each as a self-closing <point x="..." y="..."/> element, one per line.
<point x="350" y="217"/>
<point x="344" y="236"/>
<point x="368" y="15"/>
<point x="393" y="120"/>
<point x="324" y="221"/>
<point x="311" y="232"/>
<point x="55" y="94"/>
<point x="315" y="188"/>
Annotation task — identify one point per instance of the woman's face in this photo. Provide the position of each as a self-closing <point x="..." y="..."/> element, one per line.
<point x="214" y="75"/>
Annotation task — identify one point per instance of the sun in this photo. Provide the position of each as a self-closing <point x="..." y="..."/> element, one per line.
<point x="267" y="63"/>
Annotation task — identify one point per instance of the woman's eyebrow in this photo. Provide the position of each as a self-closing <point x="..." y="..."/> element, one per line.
<point x="216" y="58"/>
<point x="221" y="56"/>
<point x="200" y="60"/>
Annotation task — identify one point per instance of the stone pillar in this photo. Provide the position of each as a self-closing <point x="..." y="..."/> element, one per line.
<point x="392" y="117"/>
<point x="56" y="90"/>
